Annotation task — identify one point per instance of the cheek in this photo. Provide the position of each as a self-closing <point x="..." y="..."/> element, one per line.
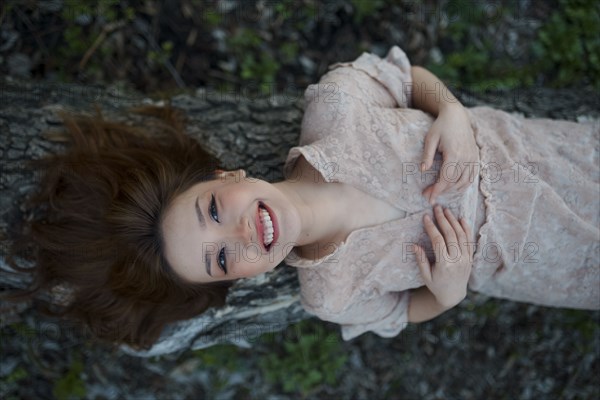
<point x="251" y="254"/>
<point x="253" y="264"/>
<point x="253" y="188"/>
<point x="239" y="195"/>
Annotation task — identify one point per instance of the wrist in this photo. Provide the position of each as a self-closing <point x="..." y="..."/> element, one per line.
<point x="449" y="104"/>
<point x="446" y="304"/>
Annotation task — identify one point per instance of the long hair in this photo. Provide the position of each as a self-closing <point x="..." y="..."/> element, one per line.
<point x="97" y="232"/>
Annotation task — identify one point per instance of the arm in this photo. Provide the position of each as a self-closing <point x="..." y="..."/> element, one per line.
<point x="446" y="281"/>
<point x="432" y="96"/>
<point x="423" y="306"/>
<point x="429" y="94"/>
<point x="451" y="134"/>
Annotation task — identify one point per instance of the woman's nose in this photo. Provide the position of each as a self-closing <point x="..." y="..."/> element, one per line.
<point x="242" y="231"/>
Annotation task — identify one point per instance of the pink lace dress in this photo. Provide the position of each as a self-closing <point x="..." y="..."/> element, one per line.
<point x="533" y="206"/>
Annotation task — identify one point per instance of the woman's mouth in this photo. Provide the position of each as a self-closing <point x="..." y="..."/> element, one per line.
<point x="267" y="226"/>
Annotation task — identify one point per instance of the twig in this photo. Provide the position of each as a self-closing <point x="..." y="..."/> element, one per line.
<point x="180" y="61"/>
<point x="156" y="47"/>
<point x="27" y="22"/>
<point x="220" y="75"/>
<point x="108" y="28"/>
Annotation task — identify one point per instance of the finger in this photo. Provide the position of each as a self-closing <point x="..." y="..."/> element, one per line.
<point x="458" y="229"/>
<point x="437" y="189"/>
<point x="427" y="193"/>
<point x="431" y="144"/>
<point x="466" y="227"/>
<point x="465" y="180"/>
<point x="444" y="224"/>
<point x="470" y="246"/>
<point x="461" y="236"/>
<point x="462" y="182"/>
<point x="446" y="179"/>
<point x="423" y="263"/>
<point x="437" y="240"/>
<point x="462" y="187"/>
<point x="452" y="250"/>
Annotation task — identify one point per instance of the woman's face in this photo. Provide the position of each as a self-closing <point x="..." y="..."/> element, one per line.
<point x="216" y="231"/>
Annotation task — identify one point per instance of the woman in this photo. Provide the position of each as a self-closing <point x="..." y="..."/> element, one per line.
<point x="170" y="233"/>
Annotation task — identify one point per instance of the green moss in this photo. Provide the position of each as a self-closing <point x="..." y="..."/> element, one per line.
<point x="163" y="54"/>
<point x="23" y="329"/>
<point x="244" y="39"/>
<point x="568" y="44"/>
<point x="221" y="356"/>
<point x="262" y="69"/>
<point x="75" y="41"/>
<point x="470" y="66"/>
<point x="582" y="322"/>
<point x="365" y="8"/>
<point x="310" y="358"/>
<point x="566" y="50"/>
<point x="108" y="9"/>
<point x="78" y="39"/>
<point x="255" y="64"/>
<point x="289" y="51"/>
<point x="16" y="375"/>
<point x="489" y="309"/>
<point x="70" y="386"/>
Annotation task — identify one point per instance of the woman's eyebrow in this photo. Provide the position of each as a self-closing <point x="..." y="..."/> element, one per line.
<point x="200" y="215"/>
<point x="203" y="226"/>
<point x="207" y="263"/>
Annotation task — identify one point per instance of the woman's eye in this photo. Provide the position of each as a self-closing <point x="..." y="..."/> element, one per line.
<point x="222" y="261"/>
<point x="212" y="209"/>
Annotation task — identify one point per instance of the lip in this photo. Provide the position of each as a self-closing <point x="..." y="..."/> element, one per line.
<point x="260" y="228"/>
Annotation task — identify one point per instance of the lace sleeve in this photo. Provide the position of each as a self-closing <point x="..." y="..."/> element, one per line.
<point x="349" y="89"/>
<point x="386" y="82"/>
<point x="385" y="315"/>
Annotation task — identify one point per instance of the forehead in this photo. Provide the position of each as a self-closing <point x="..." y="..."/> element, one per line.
<point x="189" y="196"/>
<point x="180" y="216"/>
<point x="182" y="233"/>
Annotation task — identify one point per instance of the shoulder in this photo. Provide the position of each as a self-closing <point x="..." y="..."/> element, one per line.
<point x="323" y="291"/>
<point x="304" y="171"/>
<point x="384" y="82"/>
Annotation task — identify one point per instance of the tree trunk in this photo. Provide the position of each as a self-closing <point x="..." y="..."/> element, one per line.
<point x="243" y="131"/>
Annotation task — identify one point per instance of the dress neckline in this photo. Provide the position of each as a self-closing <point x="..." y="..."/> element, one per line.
<point x="312" y="262"/>
<point x="303" y="262"/>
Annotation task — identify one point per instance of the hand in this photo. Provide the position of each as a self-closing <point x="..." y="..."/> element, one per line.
<point x="451" y="134"/>
<point x="448" y="279"/>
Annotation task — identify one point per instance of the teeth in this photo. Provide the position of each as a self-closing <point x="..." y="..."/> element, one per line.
<point x="267" y="226"/>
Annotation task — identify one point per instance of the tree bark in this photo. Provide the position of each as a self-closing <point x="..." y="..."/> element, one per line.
<point x="243" y="131"/>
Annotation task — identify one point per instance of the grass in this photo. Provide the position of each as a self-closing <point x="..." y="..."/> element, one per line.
<point x="299" y="360"/>
<point x="565" y="52"/>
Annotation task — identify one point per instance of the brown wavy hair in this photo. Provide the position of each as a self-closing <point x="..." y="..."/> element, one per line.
<point x="97" y="231"/>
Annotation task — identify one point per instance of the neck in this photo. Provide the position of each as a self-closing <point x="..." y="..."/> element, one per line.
<point x="320" y="214"/>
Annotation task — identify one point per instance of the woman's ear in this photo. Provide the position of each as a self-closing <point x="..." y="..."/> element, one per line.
<point x="239" y="174"/>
